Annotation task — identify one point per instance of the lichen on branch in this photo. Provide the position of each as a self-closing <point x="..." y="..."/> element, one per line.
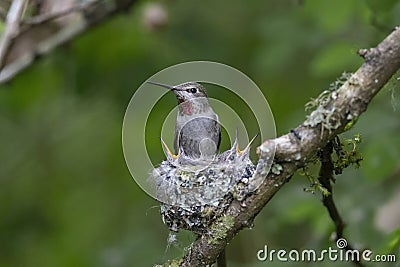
<point x="294" y="149"/>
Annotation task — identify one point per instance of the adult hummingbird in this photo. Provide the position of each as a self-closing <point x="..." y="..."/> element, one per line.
<point x="197" y="128"/>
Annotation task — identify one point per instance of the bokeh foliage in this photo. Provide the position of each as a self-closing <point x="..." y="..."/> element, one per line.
<point x="66" y="196"/>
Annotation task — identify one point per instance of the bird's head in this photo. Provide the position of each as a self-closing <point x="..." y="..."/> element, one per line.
<point x="185" y="91"/>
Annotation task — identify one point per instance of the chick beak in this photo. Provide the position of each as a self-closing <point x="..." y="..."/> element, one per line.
<point x="247" y="148"/>
<point x="169" y="154"/>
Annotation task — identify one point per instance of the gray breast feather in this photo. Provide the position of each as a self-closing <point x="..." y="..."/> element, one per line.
<point x="194" y="131"/>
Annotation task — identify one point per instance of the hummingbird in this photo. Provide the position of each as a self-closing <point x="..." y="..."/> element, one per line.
<point x="197" y="129"/>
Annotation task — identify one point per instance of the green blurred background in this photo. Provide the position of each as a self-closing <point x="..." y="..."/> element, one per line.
<point x="66" y="196"/>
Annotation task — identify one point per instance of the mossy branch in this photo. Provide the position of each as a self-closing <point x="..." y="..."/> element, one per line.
<point x="294" y="149"/>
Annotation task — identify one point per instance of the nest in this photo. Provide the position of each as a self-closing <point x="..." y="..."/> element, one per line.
<point x="194" y="192"/>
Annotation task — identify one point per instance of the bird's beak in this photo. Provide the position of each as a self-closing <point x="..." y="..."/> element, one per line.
<point x="170" y="87"/>
<point x="169" y="154"/>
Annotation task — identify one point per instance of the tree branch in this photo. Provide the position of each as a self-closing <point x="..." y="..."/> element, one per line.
<point x="325" y="178"/>
<point x="13" y="21"/>
<point x="221" y="261"/>
<point x="43" y="18"/>
<point x="328" y="120"/>
<point x="93" y="13"/>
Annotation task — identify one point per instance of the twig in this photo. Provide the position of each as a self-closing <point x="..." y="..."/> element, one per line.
<point x="221" y="261"/>
<point x="349" y="102"/>
<point x="11" y="29"/>
<point x="44" y="18"/>
<point x="325" y="178"/>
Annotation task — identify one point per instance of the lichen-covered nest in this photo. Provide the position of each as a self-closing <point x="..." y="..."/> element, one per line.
<point x="192" y="193"/>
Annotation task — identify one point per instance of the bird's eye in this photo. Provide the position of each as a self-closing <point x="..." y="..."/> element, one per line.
<point x="193" y="90"/>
